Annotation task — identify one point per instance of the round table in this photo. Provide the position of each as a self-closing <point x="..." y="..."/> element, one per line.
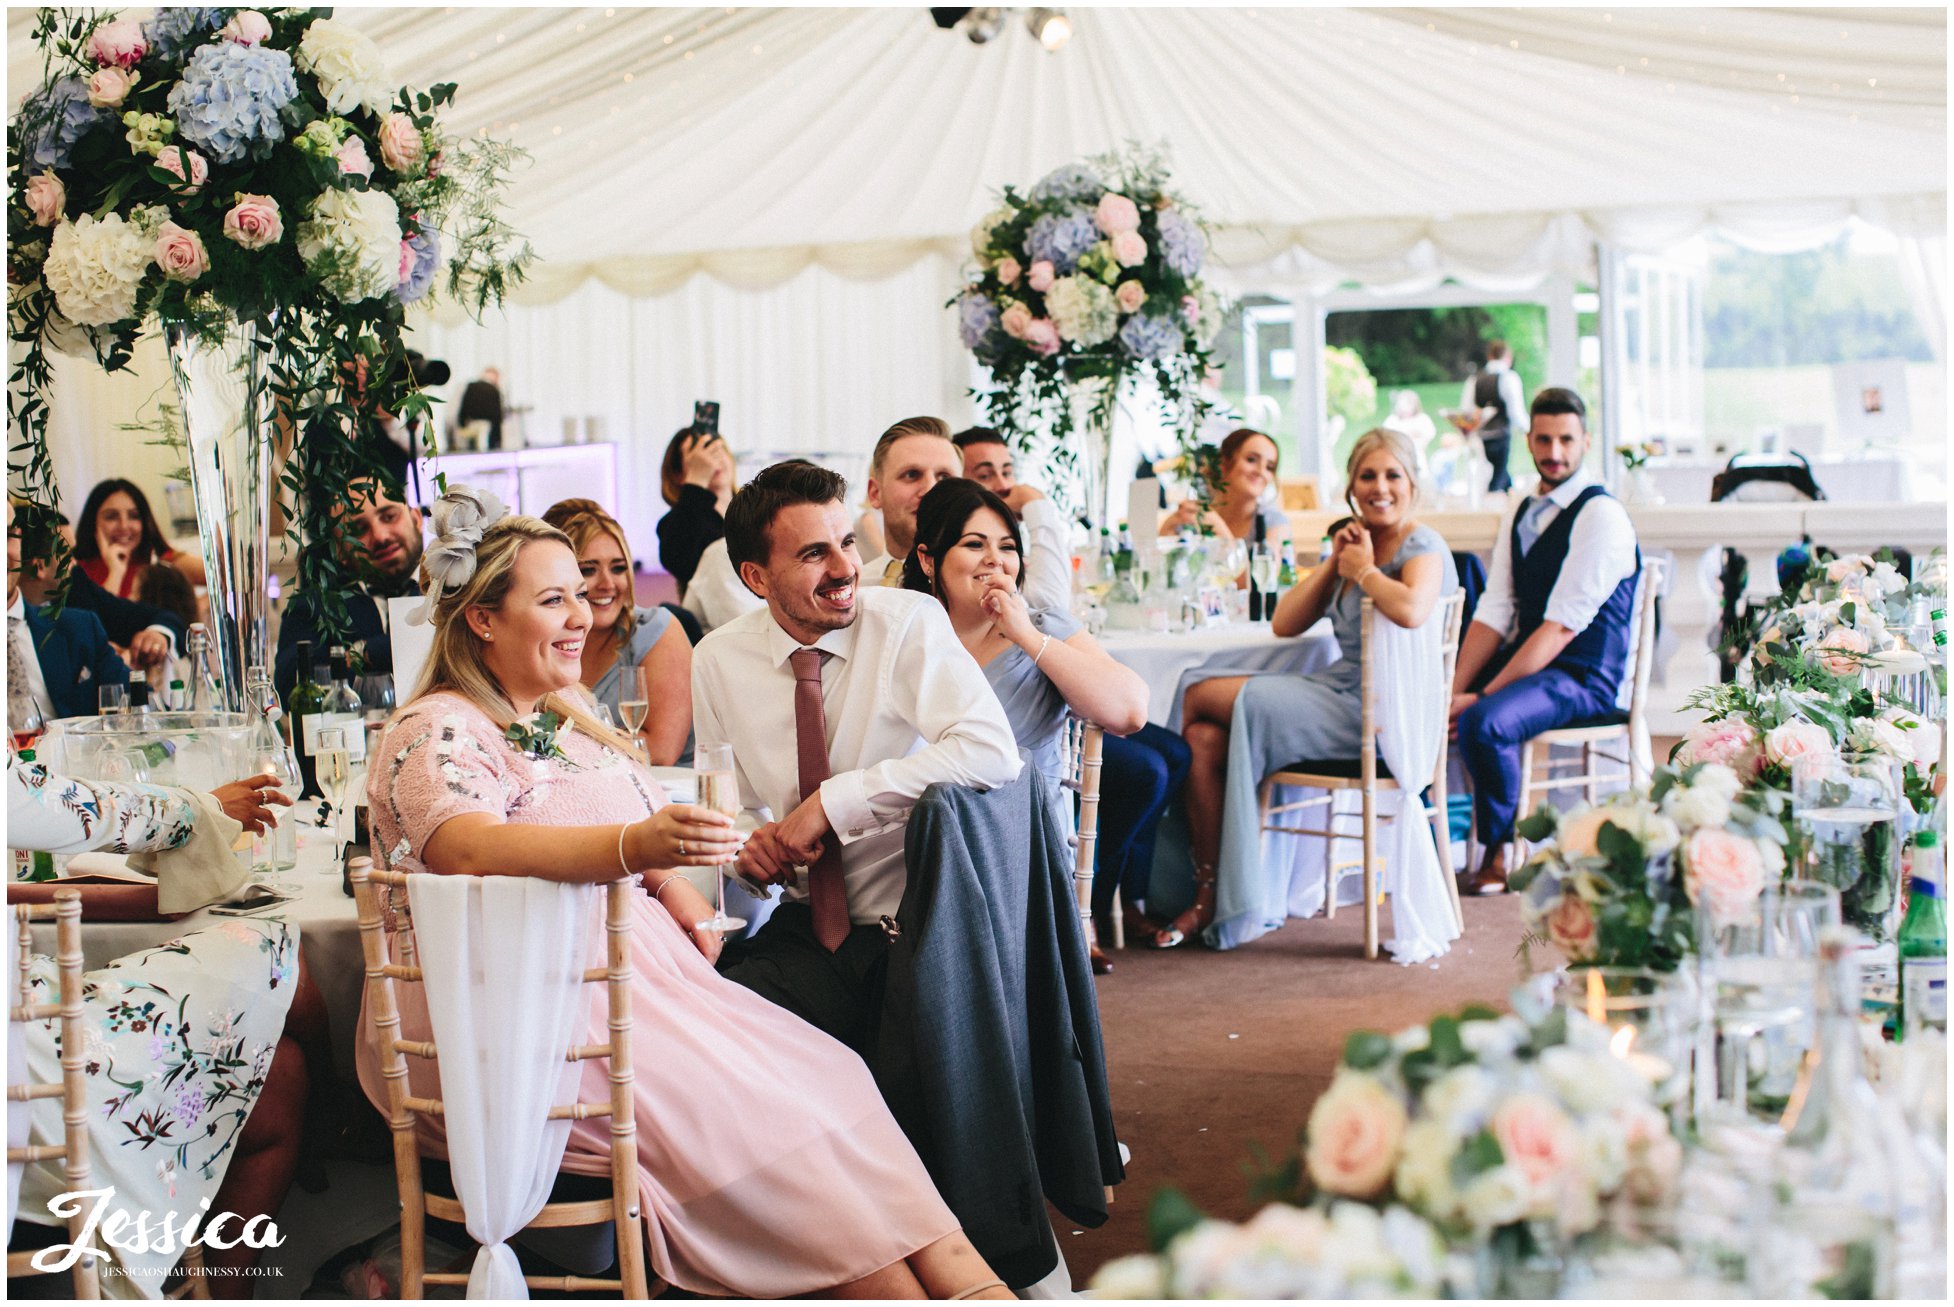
<point x="1169" y="663"/>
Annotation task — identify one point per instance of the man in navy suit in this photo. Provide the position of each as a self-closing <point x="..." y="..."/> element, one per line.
<point x="56" y="663"/>
<point x="382" y="542"/>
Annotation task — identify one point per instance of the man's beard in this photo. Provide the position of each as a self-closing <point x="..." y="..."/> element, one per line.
<point x="389" y="584"/>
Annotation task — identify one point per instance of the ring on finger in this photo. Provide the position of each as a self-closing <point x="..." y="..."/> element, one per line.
<point x="681" y="847"/>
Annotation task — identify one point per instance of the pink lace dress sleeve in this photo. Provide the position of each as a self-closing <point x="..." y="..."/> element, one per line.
<point x="441" y="758"/>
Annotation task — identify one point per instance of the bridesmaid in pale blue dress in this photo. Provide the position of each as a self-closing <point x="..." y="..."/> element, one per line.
<point x="969" y="554"/>
<point x="1242" y="728"/>
<point x="624" y="637"/>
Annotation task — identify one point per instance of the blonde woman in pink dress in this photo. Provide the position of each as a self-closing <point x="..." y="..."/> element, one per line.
<point x="768" y="1165"/>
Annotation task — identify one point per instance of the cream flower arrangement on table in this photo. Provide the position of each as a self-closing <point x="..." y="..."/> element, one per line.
<point x="1621" y="883"/>
<point x="1475" y="1131"/>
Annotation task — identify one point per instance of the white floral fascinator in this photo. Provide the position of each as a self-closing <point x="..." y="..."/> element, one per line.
<point x="461" y="516"/>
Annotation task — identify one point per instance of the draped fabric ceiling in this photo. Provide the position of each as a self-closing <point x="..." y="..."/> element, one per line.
<point x="752" y="143"/>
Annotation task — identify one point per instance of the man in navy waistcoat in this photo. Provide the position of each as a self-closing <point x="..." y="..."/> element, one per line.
<point x="1548" y="645"/>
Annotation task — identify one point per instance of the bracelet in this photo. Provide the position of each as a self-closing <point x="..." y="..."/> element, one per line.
<point x="1365" y="574"/>
<point x="620" y="848"/>
<point x="659" y="893"/>
<point x="1043" y="645"/>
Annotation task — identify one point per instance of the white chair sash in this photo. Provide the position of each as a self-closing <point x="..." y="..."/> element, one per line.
<point x="1411" y="718"/>
<point x="19" y="1115"/>
<point x="503" y="960"/>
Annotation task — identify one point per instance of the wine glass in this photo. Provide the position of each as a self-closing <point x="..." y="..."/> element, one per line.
<point x="113" y="699"/>
<point x="635" y="708"/>
<point x="718" y="789"/>
<point x="332" y="765"/>
<point x="28" y="725"/>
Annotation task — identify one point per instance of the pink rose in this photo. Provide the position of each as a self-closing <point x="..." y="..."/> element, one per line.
<point x="400" y="142"/>
<point x="247" y="27"/>
<point x="1722" y="873"/>
<point x="1840" y="649"/>
<point x="253" y="222"/>
<point x="174" y="159"/>
<point x="1655" y="1158"/>
<point x="47" y="198"/>
<point x="1116" y="214"/>
<point x="1191" y="310"/>
<point x="352" y="158"/>
<point x="1041" y="335"/>
<point x="406" y="262"/>
<point x="1041" y="276"/>
<point x="1786" y="744"/>
<point x="1537" y="1137"/>
<point x="1015" y="320"/>
<point x="1355" y="1132"/>
<point x="1008" y="271"/>
<point x="1129" y="249"/>
<point x="1571" y="928"/>
<point x="109" y="87"/>
<point x="1733" y="743"/>
<point x="119" y="43"/>
<point x="1130" y="296"/>
<point x="180" y="253"/>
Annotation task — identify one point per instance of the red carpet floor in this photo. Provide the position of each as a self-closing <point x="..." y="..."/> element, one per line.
<point x="1211" y="1053"/>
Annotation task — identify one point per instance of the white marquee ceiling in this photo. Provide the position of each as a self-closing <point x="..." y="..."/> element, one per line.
<point x="750" y="142"/>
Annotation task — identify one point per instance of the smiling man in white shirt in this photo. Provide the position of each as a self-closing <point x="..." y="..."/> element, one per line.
<point x="1548" y="644"/>
<point x="843" y="703"/>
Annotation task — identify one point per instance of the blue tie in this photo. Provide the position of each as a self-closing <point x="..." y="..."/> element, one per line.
<point x="1533" y="522"/>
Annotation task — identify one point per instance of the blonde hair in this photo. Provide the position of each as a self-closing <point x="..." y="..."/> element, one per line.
<point x="1397" y="445"/>
<point x="583" y="520"/>
<point x="920" y="426"/>
<point x="456" y="663"/>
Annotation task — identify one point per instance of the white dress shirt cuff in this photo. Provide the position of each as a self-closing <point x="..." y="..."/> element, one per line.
<point x="845" y="799"/>
<point x="167" y="632"/>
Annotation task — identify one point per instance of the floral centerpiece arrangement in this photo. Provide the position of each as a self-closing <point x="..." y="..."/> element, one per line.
<point x="213" y="168"/>
<point x="1092" y="278"/>
<point x="1620" y="884"/>
<point x="1506" y="1136"/>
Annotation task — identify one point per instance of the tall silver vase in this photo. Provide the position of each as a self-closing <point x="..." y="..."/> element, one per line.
<point x="227" y="422"/>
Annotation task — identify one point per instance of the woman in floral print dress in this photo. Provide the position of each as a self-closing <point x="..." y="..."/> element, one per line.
<point x="191" y="1066"/>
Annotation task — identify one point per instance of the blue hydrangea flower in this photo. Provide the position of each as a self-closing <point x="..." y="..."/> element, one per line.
<point x="1074" y="181"/>
<point x="426" y="245"/>
<point x="1148" y="336"/>
<point x="175" y="28"/>
<point x="55" y="118"/>
<point x="1181" y="243"/>
<point x="229" y="98"/>
<point x="1060" y="238"/>
<point x="977" y="318"/>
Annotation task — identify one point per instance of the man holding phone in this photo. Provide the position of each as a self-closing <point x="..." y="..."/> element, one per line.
<point x="696" y="480"/>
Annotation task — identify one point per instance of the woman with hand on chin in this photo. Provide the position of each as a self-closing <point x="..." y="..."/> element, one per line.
<point x="625" y="638"/>
<point x="1248" y="460"/>
<point x="1041" y="664"/>
<point x="810" y="1187"/>
<point x="1242" y="728"/>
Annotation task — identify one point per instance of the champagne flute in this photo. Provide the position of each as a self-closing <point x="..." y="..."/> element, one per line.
<point x="635" y="709"/>
<point x="332" y="765"/>
<point x="712" y="769"/>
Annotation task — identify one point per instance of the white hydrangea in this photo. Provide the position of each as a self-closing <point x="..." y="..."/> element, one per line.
<point x="1497" y="1197"/>
<point x="350" y="68"/>
<point x="1723" y="780"/>
<point x="1461" y="1099"/>
<point x="980" y="235"/>
<point x="352" y="241"/>
<point x="1084" y="311"/>
<point x="1131" y="1279"/>
<point x="1424" y="1173"/>
<point x="1695" y="807"/>
<point x="95" y="268"/>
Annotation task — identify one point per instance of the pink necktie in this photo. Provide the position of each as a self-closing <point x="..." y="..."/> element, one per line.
<point x="827" y="894"/>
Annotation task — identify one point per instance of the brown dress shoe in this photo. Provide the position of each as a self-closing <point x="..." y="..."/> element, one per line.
<point x="1487" y="880"/>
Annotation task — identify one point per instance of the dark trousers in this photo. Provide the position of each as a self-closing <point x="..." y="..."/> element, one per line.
<point x="839" y="993"/>
<point x="1141" y="772"/>
<point x="1497" y="448"/>
<point x="1494" y="729"/>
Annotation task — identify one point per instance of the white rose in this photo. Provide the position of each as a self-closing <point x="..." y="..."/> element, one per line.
<point x="1657" y="833"/>
<point x="95" y="267"/>
<point x="352" y="241"/>
<point x="1784" y="744"/>
<point x="1461" y="1099"/>
<point x="1417" y="1249"/>
<point x="1695" y="806"/>
<point x="1131" y="1279"/>
<point x="1424" y="1174"/>
<point x="1497" y="1197"/>
<point x="1922" y="736"/>
<point x="349" y="66"/>
<point x="1719" y="778"/>
<point x="1876" y="735"/>
<point x="1604" y="1153"/>
<point x="1493" y="1040"/>
<point x="1590" y="1082"/>
<point x="1355" y="1248"/>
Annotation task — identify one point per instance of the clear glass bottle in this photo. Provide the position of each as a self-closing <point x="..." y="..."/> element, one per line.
<point x="1839" y="1173"/>
<point x="1923" y="941"/>
<point x="342" y="706"/>
<point x="277" y="850"/>
<point x="201" y="697"/>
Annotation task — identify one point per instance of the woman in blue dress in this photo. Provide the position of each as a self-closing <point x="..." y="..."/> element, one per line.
<point x="1041" y="664"/>
<point x="625" y="638"/>
<point x="1240" y="729"/>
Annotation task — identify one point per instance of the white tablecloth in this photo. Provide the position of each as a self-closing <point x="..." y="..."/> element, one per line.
<point x="1870" y="478"/>
<point x="1171" y="663"/>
